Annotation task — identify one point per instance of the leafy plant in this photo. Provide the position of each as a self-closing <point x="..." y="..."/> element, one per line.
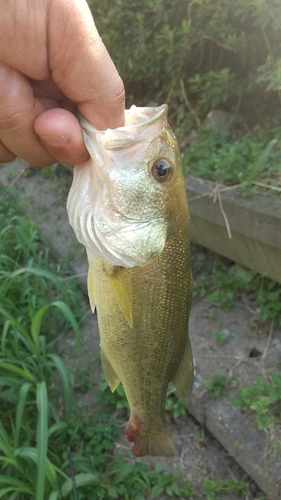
<point x="255" y="155"/>
<point x="219" y="336"/>
<point x="214" y="489"/>
<point x="217" y="386"/>
<point x="264" y="399"/>
<point x="117" y="399"/>
<point x="175" y="404"/>
<point x="227" y="283"/>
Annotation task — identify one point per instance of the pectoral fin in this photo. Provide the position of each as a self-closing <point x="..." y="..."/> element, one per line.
<point x="90" y="283"/>
<point x="183" y="379"/>
<point x="109" y="372"/>
<point x="122" y="293"/>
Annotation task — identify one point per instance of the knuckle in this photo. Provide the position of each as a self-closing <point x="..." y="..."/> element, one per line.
<point x="10" y="119"/>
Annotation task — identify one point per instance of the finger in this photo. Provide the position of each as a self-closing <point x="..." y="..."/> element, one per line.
<point x="60" y="132"/>
<point x="18" y="110"/>
<point x="82" y="67"/>
<point x="5" y="154"/>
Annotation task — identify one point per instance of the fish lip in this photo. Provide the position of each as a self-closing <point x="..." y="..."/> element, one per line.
<point x="155" y="112"/>
<point x="148" y="125"/>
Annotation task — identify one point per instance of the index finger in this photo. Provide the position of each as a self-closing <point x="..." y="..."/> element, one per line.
<point x="81" y="65"/>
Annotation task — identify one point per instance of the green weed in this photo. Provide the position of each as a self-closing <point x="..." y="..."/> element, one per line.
<point x="215" y="489"/>
<point x="201" y="287"/>
<point x="175" y="405"/>
<point x="218" y="385"/>
<point x="227" y="284"/>
<point x="217" y="158"/>
<point x="199" y="434"/>
<point x="219" y="336"/>
<point x="264" y="399"/>
<point x="41" y="438"/>
<point x="116" y="399"/>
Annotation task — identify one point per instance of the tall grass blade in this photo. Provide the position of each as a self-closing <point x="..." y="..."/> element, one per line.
<point x="22" y="372"/>
<point x="27" y="339"/>
<point x="54" y="495"/>
<point x="37" y="272"/>
<point x="14" y="484"/>
<point x="5" y="443"/>
<point x="71" y="318"/>
<point x="65" y="381"/>
<point x="10" y="317"/>
<point x="10" y="381"/>
<point x="20" y="410"/>
<point x="60" y="426"/>
<point x="36" y="325"/>
<point x="82" y="479"/>
<point x="5" y="331"/>
<point x="30" y="453"/>
<point x="37" y="320"/>
<point x="42" y="438"/>
<point x="5" y="491"/>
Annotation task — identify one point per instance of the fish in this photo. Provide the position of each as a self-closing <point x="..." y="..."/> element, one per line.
<point x="128" y="207"/>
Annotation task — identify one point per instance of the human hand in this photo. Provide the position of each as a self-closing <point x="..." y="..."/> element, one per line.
<point x="51" y="59"/>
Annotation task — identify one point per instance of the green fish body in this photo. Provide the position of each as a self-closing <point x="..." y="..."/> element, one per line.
<point x="142" y="292"/>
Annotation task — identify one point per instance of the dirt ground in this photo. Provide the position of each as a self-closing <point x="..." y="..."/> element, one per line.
<point x="200" y="455"/>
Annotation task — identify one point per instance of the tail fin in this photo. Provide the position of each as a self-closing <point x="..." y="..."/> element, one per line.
<point x="156" y="443"/>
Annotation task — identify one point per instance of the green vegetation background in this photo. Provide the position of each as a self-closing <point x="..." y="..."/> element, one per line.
<point x="223" y="52"/>
<point x="201" y="55"/>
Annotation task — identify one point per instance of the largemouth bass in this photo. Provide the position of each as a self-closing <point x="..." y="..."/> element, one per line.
<point x="128" y="206"/>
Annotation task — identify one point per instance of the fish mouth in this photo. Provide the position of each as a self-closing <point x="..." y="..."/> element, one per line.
<point x="141" y="124"/>
<point x="141" y="117"/>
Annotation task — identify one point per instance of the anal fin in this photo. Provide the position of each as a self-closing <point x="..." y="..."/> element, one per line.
<point x="183" y="380"/>
<point x="109" y="372"/>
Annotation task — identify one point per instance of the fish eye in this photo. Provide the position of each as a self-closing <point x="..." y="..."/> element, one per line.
<point x="161" y="170"/>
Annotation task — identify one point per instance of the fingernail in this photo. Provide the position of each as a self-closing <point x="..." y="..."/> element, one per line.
<point x="55" y="140"/>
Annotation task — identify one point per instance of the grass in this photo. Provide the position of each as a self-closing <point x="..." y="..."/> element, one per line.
<point x="263" y="399"/>
<point x="47" y="451"/>
<point x="224" y="284"/>
<point x="220" y="337"/>
<point x="253" y="158"/>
